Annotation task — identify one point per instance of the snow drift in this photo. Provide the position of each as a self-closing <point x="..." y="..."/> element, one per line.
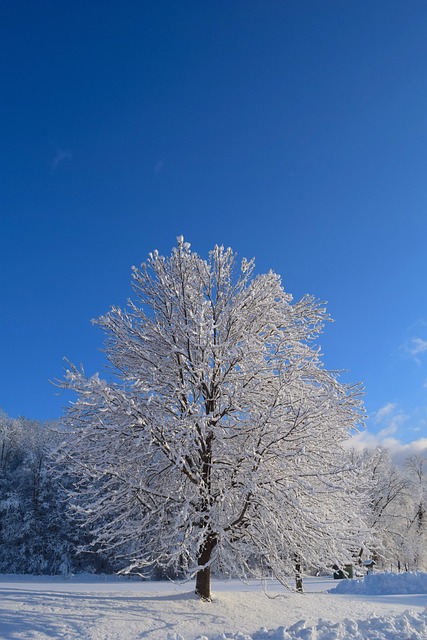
<point x="385" y="583"/>
<point x="407" y="626"/>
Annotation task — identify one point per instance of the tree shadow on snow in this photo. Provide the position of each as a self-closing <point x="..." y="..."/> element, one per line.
<point x="46" y="614"/>
<point x="25" y="614"/>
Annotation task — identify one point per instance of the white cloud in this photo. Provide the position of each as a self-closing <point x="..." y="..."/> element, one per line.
<point x="388" y="431"/>
<point x="390" y="420"/>
<point x="384" y="411"/>
<point x="415" y="347"/>
<point x="363" y="440"/>
<point x="397" y="449"/>
<point x="395" y="424"/>
<point x="418" y="346"/>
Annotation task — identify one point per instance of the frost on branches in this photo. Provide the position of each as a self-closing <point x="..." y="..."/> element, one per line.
<point x="219" y="440"/>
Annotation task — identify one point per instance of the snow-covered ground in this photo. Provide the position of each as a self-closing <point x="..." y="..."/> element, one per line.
<point x="94" y="608"/>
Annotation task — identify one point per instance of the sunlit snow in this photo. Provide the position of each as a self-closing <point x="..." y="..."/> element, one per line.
<point x="96" y="608"/>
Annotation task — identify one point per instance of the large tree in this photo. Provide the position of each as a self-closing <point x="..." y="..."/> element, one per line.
<point x="218" y="435"/>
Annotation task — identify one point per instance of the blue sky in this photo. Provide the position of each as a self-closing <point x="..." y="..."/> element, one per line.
<point x="293" y="131"/>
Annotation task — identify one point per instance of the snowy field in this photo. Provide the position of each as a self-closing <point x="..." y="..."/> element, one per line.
<point x="385" y="607"/>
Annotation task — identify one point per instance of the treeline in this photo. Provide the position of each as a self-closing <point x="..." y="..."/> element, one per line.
<point x="395" y="499"/>
<point x="41" y="534"/>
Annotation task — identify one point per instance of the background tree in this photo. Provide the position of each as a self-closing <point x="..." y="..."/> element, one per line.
<point x="416" y="534"/>
<point x="385" y="492"/>
<point x="36" y="535"/>
<point x="219" y="438"/>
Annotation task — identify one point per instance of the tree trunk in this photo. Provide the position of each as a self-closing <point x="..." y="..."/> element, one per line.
<point x="203" y="576"/>
<point x="298" y="574"/>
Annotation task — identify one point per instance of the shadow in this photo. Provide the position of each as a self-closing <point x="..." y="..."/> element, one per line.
<point x="32" y="619"/>
<point x="28" y="595"/>
<point x="408" y="600"/>
<point x="178" y="597"/>
<point x="50" y="615"/>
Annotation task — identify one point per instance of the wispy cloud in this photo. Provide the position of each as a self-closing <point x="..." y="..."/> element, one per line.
<point x="390" y="418"/>
<point x="417" y="346"/>
<point x="384" y="411"/>
<point x="394" y="425"/>
<point x="390" y="430"/>
<point x="60" y="156"/>
<point x="158" y="167"/>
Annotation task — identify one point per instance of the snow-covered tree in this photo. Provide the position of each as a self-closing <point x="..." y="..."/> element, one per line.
<point x="384" y="493"/>
<point x="35" y="534"/>
<point x="218" y="436"/>
<point x="416" y="534"/>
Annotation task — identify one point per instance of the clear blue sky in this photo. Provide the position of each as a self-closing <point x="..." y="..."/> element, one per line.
<point x="293" y="131"/>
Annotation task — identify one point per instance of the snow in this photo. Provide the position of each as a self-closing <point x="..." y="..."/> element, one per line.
<point x="385" y="583"/>
<point x="110" y="608"/>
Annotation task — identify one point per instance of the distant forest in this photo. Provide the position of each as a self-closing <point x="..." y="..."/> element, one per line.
<point x="41" y="531"/>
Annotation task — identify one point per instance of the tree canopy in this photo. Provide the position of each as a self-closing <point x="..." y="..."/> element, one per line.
<point x="217" y="435"/>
